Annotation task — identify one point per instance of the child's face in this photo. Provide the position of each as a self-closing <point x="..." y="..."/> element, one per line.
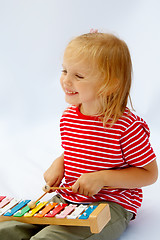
<point x="80" y="84"/>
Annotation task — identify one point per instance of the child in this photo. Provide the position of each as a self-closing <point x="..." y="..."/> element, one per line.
<point x="104" y="143"/>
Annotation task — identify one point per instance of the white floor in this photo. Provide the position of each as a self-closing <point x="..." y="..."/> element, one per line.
<point x="26" y="153"/>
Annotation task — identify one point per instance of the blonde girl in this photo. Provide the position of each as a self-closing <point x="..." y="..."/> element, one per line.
<point x="104" y="143"/>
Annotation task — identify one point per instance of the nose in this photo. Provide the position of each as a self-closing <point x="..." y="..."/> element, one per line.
<point x="67" y="81"/>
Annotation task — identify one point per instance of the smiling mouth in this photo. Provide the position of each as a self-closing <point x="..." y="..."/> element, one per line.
<point x="70" y="92"/>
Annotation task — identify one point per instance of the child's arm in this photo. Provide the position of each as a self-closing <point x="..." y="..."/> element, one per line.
<point x="55" y="172"/>
<point x="132" y="177"/>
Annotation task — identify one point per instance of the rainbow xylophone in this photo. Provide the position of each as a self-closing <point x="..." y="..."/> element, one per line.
<point x="51" y="213"/>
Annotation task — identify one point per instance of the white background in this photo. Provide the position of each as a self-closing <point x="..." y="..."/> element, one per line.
<point x="33" y="36"/>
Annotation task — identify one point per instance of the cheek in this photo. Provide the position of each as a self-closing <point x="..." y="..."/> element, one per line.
<point x="88" y="94"/>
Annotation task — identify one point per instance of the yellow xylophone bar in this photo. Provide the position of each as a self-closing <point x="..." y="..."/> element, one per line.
<point x="96" y="221"/>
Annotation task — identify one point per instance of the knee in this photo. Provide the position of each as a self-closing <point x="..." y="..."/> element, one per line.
<point x="8" y="230"/>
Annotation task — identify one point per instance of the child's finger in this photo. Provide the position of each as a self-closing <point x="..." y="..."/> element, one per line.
<point x="75" y="187"/>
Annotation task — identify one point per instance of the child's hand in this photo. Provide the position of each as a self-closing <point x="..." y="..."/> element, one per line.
<point x="88" y="184"/>
<point x="55" y="172"/>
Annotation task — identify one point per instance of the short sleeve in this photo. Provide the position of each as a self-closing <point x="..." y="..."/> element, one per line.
<point x="136" y="148"/>
<point x="62" y="125"/>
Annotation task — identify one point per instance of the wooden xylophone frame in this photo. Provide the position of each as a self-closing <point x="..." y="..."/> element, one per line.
<point x="96" y="221"/>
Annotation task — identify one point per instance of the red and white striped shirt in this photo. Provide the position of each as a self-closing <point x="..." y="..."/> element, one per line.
<point x="89" y="147"/>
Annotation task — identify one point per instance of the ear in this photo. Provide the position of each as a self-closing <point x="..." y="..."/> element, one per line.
<point x="107" y="89"/>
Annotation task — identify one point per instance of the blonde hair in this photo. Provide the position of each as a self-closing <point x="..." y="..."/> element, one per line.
<point x="111" y="57"/>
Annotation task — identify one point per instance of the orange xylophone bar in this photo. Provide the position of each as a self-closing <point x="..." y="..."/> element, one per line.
<point x="93" y="216"/>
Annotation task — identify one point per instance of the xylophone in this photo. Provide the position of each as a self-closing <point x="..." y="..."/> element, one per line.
<point x="93" y="216"/>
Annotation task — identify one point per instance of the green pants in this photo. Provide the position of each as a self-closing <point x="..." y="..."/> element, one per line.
<point x="14" y="230"/>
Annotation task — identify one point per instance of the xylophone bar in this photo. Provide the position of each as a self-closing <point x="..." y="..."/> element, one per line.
<point x="99" y="217"/>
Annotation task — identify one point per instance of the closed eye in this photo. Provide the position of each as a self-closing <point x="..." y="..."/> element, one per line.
<point x="78" y="76"/>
